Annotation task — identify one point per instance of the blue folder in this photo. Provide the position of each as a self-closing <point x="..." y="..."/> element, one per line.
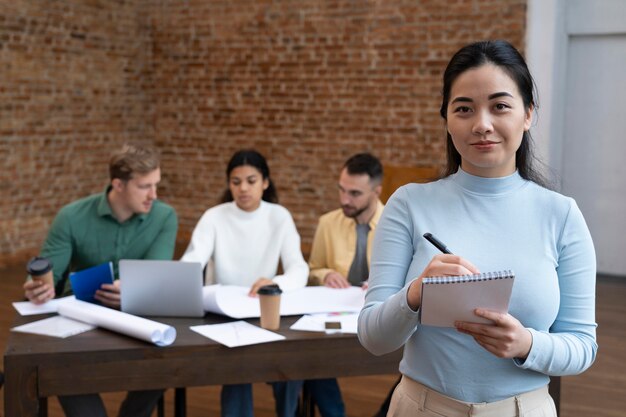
<point x="86" y="282"/>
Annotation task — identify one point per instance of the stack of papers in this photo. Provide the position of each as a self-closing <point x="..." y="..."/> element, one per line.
<point x="26" y="308"/>
<point x="57" y="326"/>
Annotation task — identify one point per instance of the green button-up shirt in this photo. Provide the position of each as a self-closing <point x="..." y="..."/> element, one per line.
<point x="85" y="233"/>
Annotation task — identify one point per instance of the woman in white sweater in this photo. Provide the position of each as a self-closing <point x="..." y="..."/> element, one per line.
<point x="246" y="236"/>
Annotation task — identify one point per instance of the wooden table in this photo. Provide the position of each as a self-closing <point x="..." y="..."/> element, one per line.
<point x="37" y="367"/>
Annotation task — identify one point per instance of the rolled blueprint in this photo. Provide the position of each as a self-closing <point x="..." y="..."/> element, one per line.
<point x="151" y="331"/>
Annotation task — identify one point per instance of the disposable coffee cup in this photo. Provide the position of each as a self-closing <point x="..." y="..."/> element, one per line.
<point x="269" y="296"/>
<point x="40" y="269"/>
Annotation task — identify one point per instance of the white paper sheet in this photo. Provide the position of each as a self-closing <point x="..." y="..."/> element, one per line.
<point x="57" y="326"/>
<point x="233" y="301"/>
<point x="317" y="322"/>
<point x="151" y="331"/>
<point x="237" y="333"/>
<point x="26" y="308"/>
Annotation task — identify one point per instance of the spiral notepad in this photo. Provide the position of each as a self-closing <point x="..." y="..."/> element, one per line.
<point x="449" y="299"/>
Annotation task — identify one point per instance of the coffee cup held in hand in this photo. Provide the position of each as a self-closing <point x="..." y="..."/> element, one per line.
<point x="40" y="269"/>
<point x="269" y="297"/>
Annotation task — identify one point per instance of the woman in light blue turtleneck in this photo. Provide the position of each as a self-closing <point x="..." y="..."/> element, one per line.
<point x="493" y="212"/>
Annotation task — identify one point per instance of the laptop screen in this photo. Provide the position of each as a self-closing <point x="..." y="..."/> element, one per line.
<point x="161" y="288"/>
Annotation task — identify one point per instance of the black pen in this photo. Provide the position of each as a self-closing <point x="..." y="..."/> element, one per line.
<point x="436" y="243"/>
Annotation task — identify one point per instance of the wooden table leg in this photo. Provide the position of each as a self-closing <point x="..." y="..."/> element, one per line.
<point x="20" y="389"/>
<point x="43" y="407"/>
<point x="180" y="402"/>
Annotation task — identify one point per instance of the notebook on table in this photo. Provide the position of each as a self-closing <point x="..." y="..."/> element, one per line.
<point x="449" y="299"/>
<point x="161" y="288"/>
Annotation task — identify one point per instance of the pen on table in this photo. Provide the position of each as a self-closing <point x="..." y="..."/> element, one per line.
<point x="436" y="243"/>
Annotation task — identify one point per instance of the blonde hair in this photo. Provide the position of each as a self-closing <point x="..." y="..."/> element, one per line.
<point x="131" y="159"/>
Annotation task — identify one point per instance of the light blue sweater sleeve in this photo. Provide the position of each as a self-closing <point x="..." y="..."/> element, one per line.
<point x="570" y="347"/>
<point x="497" y="224"/>
<point x="385" y="327"/>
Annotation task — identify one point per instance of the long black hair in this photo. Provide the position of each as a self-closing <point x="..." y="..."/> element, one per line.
<point x="505" y="56"/>
<point x="254" y="159"/>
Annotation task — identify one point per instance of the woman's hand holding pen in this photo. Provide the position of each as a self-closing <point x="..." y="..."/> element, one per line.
<point x="505" y="338"/>
<point x="439" y="265"/>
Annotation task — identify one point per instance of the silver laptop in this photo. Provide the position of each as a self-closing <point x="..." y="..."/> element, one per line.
<point x="161" y="288"/>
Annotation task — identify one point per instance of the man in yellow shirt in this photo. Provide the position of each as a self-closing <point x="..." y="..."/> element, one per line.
<point x="343" y="240"/>
<point x="341" y="250"/>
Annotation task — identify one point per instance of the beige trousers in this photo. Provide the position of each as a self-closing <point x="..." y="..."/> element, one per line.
<point x="412" y="399"/>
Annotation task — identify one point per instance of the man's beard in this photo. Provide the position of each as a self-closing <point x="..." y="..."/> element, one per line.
<point x="353" y="214"/>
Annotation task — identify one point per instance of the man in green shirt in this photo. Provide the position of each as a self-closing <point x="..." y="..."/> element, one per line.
<point x="126" y="221"/>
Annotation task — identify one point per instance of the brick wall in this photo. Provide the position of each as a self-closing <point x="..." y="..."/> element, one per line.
<point x="306" y="82"/>
<point x="72" y="86"/>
